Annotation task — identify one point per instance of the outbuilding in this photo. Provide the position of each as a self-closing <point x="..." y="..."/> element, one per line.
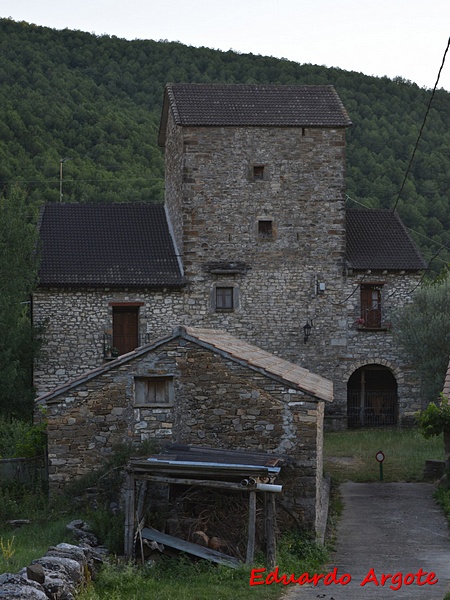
<point x="198" y="387"/>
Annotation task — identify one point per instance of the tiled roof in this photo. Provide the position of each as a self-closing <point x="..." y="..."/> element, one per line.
<point x="223" y="105"/>
<point x="222" y="343"/>
<point x="271" y="364"/>
<point x="377" y="239"/>
<point x="107" y="245"/>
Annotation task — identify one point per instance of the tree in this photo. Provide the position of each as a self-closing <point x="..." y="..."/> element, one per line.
<point x="422" y="328"/>
<point x="433" y="421"/>
<point x="18" y="271"/>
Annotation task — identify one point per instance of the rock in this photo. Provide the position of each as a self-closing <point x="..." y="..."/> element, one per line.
<point x="18" y="592"/>
<point x="15" y="586"/>
<point x="18" y="522"/>
<point x="55" y="576"/>
<point x="69" y="551"/>
<point x="36" y="573"/>
<point x="65" y="568"/>
<point x="58" y="589"/>
<point x="82" y="532"/>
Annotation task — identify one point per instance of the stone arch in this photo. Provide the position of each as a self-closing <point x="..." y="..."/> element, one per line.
<point x="375" y="360"/>
<point x="372" y="396"/>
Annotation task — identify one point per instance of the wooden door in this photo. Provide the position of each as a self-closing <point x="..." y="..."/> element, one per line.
<point x="371" y="306"/>
<point x="125" y="328"/>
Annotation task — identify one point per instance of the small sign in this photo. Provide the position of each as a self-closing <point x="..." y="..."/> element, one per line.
<point x="379" y="456"/>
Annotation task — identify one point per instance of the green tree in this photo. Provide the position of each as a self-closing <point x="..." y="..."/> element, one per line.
<point x="423" y="330"/>
<point x="433" y="421"/>
<point x="18" y="270"/>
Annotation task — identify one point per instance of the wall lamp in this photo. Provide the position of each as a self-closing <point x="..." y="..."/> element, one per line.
<point x="307" y="331"/>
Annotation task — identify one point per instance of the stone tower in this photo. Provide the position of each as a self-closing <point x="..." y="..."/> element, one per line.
<point x="255" y="194"/>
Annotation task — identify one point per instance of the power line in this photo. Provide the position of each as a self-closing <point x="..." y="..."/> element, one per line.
<point x="422" y="127"/>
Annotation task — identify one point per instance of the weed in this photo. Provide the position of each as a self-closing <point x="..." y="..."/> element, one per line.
<point x="7" y="549"/>
<point x="108" y="528"/>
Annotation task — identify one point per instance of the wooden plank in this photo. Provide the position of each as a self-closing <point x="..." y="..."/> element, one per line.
<point x="251" y="528"/>
<point x="271" y="543"/>
<point x="225" y="485"/>
<point x="129" y="515"/>
<point x="149" y="533"/>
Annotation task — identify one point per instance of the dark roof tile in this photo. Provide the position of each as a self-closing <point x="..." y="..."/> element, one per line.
<point x="237" y="105"/>
<point x="377" y="239"/>
<point x="107" y="245"/>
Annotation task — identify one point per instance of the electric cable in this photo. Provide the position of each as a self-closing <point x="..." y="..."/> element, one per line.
<point x="422" y="127"/>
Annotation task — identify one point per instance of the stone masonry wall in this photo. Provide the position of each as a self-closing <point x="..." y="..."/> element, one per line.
<point x="302" y="193"/>
<point x="217" y="403"/>
<point x="75" y="322"/>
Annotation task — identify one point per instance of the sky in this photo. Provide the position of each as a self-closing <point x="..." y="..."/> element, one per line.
<point x="396" y="38"/>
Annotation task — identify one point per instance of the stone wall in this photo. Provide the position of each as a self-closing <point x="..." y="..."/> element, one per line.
<point x="216" y="402"/>
<point x="58" y="575"/>
<point x="75" y="322"/>
<point x="214" y="204"/>
<point x="219" y="205"/>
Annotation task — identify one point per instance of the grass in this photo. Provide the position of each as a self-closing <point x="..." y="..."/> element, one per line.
<point x="184" y="579"/>
<point x="350" y="455"/>
<point x="30" y="542"/>
<point x="20" y="546"/>
<point x="347" y="455"/>
<point x="182" y="582"/>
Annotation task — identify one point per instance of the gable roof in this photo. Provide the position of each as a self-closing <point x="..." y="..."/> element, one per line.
<point x="228" y="346"/>
<point x="107" y="245"/>
<point x="377" y="239"/>
<point x="226" y="105"/>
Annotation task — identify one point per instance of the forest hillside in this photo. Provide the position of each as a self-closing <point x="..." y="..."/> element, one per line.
<point x="96" y="100"/>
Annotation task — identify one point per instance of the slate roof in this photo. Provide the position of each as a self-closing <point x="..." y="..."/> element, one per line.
<point x="377" y="239"/>
<point x="230" y="347"/>
<point x="121" y="245"/>
<point x="221" y="105"/>
<point x="130" y="245"/>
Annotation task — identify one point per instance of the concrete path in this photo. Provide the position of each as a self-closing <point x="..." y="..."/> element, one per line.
<point x="390" y="528"/>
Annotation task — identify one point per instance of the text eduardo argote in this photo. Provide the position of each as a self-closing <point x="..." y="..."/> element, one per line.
<point x="392" y="580"/>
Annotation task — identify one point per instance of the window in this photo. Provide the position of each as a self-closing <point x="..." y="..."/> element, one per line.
<point x="265" y="229"/>
<point x="371" y="306"/>
<point x="151" y="391"/>
<point x="258" y="173"/>
<point x="224" y="298"/>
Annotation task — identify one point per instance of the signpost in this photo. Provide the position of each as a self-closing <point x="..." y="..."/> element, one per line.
<point x="380" y="457"/>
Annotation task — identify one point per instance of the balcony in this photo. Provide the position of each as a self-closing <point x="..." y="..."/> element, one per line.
<point x="110" y="351"/>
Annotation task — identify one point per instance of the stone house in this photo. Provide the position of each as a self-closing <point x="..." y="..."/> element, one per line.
<point x="254" y="239"/>
<point x="194" y="386"/>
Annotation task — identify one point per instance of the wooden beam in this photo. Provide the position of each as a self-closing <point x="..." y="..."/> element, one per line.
<point x="251" y="528"/>
<point x="225" y="485"/>
<point x="271" y="542"/>
<point x="129" y="515"/>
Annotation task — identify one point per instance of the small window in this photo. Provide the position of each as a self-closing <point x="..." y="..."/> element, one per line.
<point x="258" y="173"/>
<point x="265" y="229"/>
<point x="371" y="306"/>
<point x="224" y="298"/>
<point x="150" y="391"/>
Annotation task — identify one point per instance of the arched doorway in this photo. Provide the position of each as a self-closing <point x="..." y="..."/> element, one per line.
<point x="372" y="397"/>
